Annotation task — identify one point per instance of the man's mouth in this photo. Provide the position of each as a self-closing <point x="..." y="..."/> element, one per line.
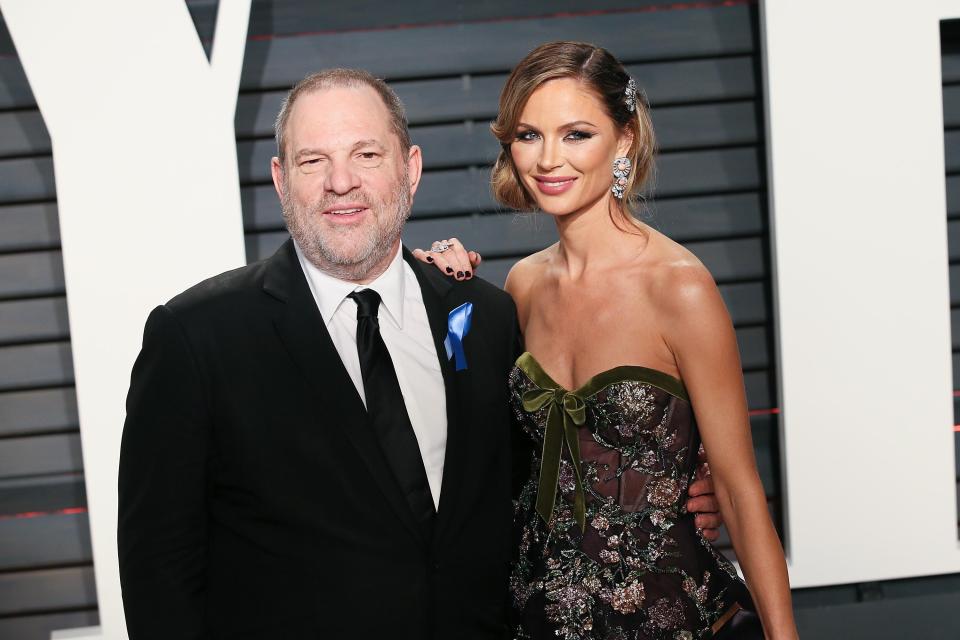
<point x="345" y="211"/>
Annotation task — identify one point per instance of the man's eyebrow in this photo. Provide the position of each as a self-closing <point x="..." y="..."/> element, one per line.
<point x="308" y="152"/>
<point x="370" y="142"/>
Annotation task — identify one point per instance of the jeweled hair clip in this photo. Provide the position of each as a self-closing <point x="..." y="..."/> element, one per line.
<point x="630" y="95"/>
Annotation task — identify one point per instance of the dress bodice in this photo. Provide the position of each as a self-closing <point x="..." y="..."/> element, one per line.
<point x="613" y="552"/>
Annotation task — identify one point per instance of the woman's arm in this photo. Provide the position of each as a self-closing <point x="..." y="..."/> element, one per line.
<point x="700" y="334"/>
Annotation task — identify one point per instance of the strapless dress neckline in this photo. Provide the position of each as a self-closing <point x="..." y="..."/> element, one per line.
<point x="606" y="547"/>
<point x="530" y="366"/>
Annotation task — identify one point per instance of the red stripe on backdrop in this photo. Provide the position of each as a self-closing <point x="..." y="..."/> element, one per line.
<point x="75" y="510"/>
<point x="39" y="514"/>
<point x="776" y="411"/>
<point x="673" y="6"/>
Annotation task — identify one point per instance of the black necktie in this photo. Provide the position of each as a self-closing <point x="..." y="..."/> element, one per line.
<point x="387" y="411"/>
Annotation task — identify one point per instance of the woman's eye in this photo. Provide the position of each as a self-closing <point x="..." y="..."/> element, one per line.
<point x="526" y="136"/>
<point x="579" y="135"/>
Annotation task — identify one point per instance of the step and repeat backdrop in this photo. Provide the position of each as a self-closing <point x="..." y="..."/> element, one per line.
<point x="702" y="68"/>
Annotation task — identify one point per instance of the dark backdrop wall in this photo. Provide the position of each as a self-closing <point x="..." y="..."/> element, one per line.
<point x="699" y="64"/>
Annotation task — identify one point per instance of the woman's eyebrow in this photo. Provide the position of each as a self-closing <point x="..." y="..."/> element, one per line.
<point x="568" y="125"/>
<point x="576" y="123"/>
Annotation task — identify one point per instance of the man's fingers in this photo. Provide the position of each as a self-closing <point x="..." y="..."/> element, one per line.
<point x="701" y="487"/>
<point x="711" y="535"/>
<point x="703" y="504"/>
<point x="707" y="521"/>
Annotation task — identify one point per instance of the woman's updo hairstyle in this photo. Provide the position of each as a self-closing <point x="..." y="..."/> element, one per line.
<point x="600" y="72"/>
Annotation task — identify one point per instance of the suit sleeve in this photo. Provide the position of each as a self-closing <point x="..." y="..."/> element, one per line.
<point x="521" y="447"/>
<point x="162" y="526"/>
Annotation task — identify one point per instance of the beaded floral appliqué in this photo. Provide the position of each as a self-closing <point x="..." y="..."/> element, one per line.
<point x="640" y="570"/>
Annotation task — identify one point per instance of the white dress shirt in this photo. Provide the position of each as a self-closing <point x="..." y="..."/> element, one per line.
<point x="406" y="332"/>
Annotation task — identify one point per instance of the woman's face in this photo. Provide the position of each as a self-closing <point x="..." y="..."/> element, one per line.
<point x="565" y="146"/>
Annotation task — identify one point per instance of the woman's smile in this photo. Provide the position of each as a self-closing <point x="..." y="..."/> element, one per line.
<point x="554" y="185"/>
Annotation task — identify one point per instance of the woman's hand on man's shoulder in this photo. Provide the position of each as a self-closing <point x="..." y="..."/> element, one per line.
<point x="451" y="258"/>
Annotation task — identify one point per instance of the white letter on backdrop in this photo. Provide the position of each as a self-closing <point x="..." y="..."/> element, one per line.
<point x="856" y="169"/>
<point x="148" y="195"/>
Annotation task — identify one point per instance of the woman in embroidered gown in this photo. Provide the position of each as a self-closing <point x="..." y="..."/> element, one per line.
<point x="631" y="362"/>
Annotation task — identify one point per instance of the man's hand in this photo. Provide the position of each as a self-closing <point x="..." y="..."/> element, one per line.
<point x="703" y="501"/>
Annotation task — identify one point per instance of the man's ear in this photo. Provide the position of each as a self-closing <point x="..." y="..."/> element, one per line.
<point x="414" y="168"/>
<point x="276" y="170"/>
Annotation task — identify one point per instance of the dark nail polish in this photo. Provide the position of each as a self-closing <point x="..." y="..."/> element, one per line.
<point x="429" y="258"/>
<point x="469" y="275"/>
<point x="459" y="274"/>
<point x="449" y="269"/>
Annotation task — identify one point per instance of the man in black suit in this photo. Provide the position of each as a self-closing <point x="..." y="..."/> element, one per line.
<point x="316" y="445"/>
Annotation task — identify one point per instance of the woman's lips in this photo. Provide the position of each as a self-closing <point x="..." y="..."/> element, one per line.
<point x="554" y="185"/>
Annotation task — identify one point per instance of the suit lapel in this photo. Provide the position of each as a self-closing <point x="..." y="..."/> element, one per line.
<point x="435" y="287"/>
<point x="306" y="339"/>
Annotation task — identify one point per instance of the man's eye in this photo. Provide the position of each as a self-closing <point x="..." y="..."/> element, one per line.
<point x="368" y="155"/>
<point x="311" y="161"/>
<point x="526" y="136"/>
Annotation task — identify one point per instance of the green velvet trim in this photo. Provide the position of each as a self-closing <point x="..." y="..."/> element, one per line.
<point x="624" y="373"/>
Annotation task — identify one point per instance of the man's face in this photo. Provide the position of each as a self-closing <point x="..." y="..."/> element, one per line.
<point x="345" y="185"/>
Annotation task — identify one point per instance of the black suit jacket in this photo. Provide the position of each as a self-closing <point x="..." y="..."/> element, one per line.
<point x="254" y="499"/>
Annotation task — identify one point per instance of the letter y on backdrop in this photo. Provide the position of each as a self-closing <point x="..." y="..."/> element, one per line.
<point x="144" y="153"/>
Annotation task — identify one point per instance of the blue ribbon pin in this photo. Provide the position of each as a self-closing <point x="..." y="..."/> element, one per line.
<point x="458" y="326"/>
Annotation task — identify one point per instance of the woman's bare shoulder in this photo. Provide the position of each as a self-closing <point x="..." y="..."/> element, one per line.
<point x="526" y="271"/>
<point x="679" y="281"/>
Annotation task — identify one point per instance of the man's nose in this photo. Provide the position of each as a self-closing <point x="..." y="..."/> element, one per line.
<point x="342" y="178"/>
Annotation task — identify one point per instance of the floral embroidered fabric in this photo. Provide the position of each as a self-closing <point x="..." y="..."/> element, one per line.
<point x="639" y="570"/>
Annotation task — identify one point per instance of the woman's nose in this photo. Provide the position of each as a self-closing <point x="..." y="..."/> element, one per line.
<point x="550" y="156"/>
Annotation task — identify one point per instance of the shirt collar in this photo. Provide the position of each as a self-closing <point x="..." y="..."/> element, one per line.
<point x="330" y="292"/>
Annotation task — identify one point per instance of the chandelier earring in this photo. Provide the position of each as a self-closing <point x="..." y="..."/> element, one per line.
<point x="621" y="170"/>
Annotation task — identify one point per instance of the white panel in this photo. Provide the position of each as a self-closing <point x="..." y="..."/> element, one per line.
<point x="855" y="136"/>
<point x="147" y="191"/>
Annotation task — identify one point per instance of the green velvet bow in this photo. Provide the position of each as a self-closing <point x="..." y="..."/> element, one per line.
<point x="566" y="412"/>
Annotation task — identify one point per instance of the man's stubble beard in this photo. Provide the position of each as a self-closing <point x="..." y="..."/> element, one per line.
<point x="356" y="261"/>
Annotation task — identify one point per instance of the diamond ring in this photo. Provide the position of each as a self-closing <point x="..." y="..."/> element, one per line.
<point x="440" y="246"/>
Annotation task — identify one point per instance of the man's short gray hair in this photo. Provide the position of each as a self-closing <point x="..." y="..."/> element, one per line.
<point x="329" y="78"/>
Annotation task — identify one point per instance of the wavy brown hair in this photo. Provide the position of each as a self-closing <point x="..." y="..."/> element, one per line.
<point x="601" y="73"/>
